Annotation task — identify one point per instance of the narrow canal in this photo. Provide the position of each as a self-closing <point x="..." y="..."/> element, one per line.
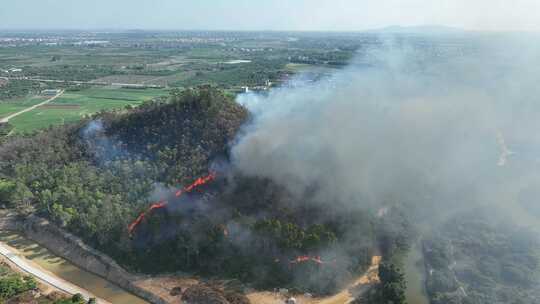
<point x="67" y="271"/>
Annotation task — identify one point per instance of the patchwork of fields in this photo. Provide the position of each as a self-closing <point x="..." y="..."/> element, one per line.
<point x="229" y="61"/>
<point x="72" y="106"/>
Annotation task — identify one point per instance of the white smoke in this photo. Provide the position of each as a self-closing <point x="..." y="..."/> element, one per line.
<point x="413" y="125"/>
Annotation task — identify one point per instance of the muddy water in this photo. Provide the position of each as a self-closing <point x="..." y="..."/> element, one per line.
<point x="415" y="276"/>
<point x="67" y="271"/>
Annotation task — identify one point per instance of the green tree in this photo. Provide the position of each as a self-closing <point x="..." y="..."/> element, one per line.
<point x="392" y="283"/>
<point x="7" y="191"/>
<point x="77" y="298"/>
<point x="15" y="284"/>
<point x="92" y="301"/>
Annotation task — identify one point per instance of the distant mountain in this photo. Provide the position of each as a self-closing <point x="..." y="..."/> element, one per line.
<point x="423" y="29"/>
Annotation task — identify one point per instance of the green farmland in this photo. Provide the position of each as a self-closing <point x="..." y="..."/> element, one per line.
<point x="7" y="108"/>
<point x="72" y="106"/>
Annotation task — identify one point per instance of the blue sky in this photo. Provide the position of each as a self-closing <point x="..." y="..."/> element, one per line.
<point x="348" y="15"/>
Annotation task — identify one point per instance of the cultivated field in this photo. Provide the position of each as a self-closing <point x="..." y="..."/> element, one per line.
<point x="13" y="106"/>
<point x="72" y="106"/>
<point x="230" y="61"/>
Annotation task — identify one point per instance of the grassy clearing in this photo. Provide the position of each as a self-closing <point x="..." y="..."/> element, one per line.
<point x="72" y="106"/>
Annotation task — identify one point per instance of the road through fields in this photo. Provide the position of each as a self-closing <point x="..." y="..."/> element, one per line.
<point x="7" y="118"/>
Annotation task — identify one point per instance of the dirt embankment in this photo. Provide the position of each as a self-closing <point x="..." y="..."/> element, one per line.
<point x="8" y="221"/>
<point x="73" y="249"/>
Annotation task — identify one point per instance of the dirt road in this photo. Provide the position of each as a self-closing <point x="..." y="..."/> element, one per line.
<point x="29" y="267"/>
<point x="7" y="118"/>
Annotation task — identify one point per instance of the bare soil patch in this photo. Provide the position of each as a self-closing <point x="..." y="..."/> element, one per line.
<point x="127" y="79"/>
<point x="60" y="106"/>
<point x="167" y="287"/>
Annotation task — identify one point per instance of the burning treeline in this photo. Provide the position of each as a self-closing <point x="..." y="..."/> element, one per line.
<point x="266" y="230"/>
<point x="196" y="184"/>
<point x="245" y="222"/>
<point x="432" y="135"/>
<point x="122" y="158"/>
<point x="307" y="166"/>
<point x="163" y="203"/>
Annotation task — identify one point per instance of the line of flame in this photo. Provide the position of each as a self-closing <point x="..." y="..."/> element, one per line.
<point x="162" y="203"/>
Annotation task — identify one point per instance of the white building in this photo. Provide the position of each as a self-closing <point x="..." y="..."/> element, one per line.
<point x="50" y="92"/>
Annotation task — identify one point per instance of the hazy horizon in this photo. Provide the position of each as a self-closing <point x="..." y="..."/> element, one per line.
<point x="276" y="15"/>
<point x="389" y="28"/>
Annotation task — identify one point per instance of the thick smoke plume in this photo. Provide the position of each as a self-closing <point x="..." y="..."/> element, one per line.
<point x="439" y="123"/>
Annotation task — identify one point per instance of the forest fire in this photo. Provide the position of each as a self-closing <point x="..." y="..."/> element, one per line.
<point x="225" y="230"/>
<point x="163" y="203"/>
<point x="141" y="216"/>
<point x="198" y="182"/>
<point x="307" y="258"/>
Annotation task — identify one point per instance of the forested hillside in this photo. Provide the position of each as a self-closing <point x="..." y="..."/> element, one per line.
<point x="95" y="177"/>
<point x="478" y="259"/>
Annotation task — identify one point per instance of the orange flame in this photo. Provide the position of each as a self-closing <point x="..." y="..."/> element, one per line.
<point x="307" y="258"/>
<point x="141" y="216"/>
<point x="136" y="222"/>
<point x="317" y="260"/>
<point x="162" y="203"/>
<point x="224" y="229"/>
<point x="198" y="182"/>
<point x="158" y="205"/>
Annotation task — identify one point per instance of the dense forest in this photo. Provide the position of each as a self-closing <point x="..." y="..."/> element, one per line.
<point x="94" y="178"/>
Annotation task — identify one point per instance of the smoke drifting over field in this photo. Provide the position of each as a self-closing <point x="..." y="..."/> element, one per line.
<point x="401" y="124"/>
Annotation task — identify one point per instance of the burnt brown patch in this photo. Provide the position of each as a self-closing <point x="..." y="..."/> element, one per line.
<point x="60" y="106"/>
